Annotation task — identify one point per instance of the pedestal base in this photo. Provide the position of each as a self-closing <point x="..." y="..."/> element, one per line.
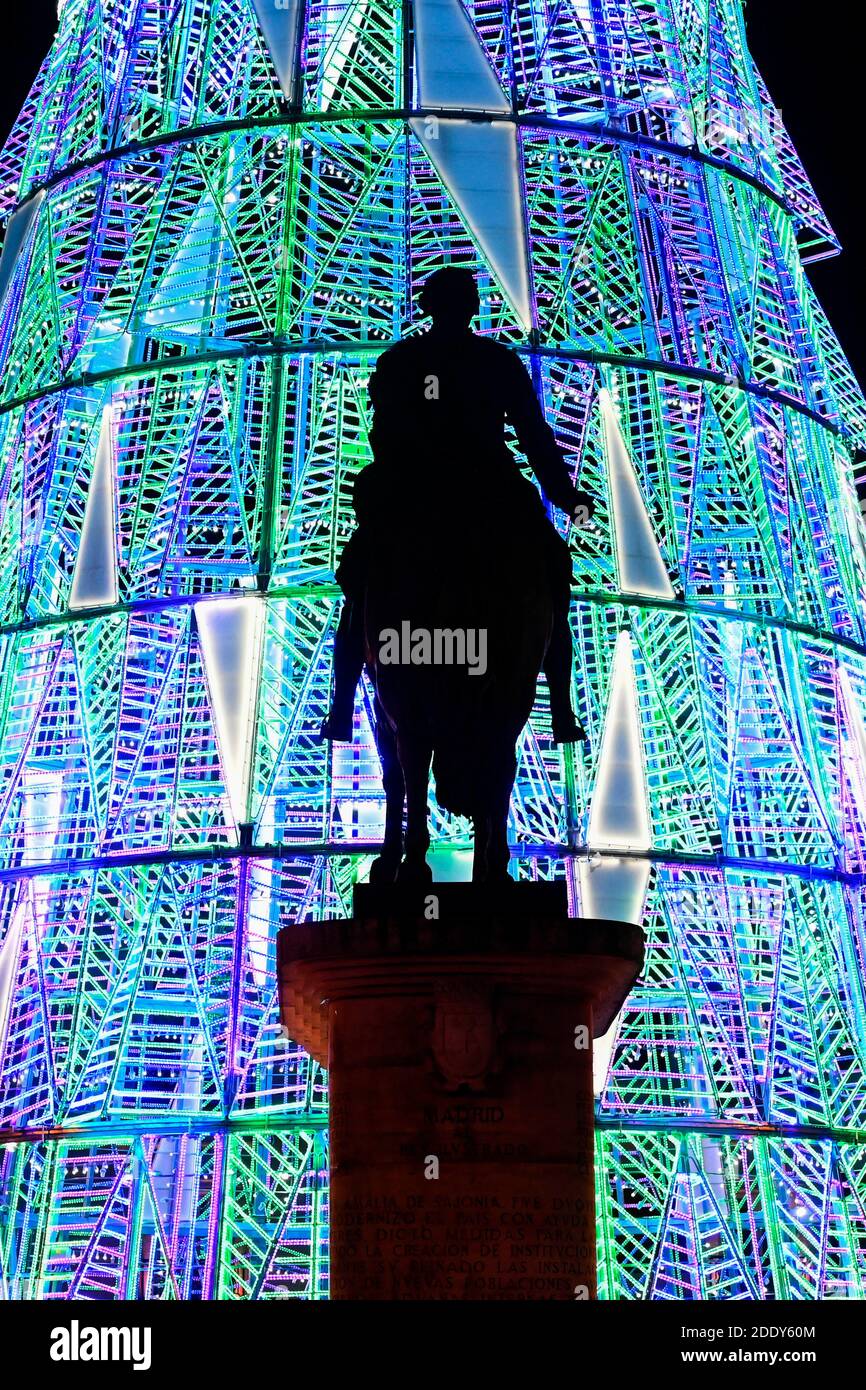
<point x="460" y="1064"/>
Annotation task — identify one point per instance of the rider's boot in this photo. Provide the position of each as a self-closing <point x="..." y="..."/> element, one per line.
<point x="557" y="669"/>
<point x="337" y="727"/>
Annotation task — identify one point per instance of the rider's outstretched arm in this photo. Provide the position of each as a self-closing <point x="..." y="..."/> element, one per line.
<point x="537" y="440"/>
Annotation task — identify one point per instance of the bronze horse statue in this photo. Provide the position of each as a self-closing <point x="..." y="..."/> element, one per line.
<point x="464" y="722"/>
<point x="453" y="540"/>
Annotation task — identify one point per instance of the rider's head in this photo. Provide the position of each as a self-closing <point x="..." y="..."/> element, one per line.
<point x="450" y="297"/>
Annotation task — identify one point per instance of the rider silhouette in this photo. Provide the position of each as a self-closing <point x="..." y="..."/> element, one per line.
<point x="441" y="401"/>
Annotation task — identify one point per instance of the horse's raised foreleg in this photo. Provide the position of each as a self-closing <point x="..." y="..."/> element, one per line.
<point x="384" y="868"/>
<point x="415" y="757"/>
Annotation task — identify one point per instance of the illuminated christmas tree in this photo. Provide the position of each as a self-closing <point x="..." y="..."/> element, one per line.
<point x="217" y="214"/>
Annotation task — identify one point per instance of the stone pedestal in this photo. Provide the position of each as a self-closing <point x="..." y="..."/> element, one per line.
<point x="460" y="1060"/>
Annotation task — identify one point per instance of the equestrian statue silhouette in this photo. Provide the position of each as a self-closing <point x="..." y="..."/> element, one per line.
<point x="456" y="583"/>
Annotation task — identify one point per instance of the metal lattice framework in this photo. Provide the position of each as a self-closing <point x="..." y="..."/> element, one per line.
<point x="217" y="214"/>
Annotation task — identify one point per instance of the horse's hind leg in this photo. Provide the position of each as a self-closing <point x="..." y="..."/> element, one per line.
<point x="498" y="853"/>
<point x="492" y="855"/>
<point x="384" y="868"/>
<point x="481" y="842"/>
<point x="415" y="760"/>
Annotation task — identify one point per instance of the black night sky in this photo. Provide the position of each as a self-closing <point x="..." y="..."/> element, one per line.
<point x="812" y="61"/>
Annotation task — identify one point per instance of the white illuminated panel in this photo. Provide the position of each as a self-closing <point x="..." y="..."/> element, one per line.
<point x="619" y="815"/>
<point x="478" y="165"/>
<point x="477" y="162"/>
<point x="231" y="641"/>
<point x="17" y="232"/>
<point x="639" y="561"/>
<point x="278" y="20"/>
<point x="613" y="889"/>
<point x="94" y="582"/>
<point x="452" y="66"/>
